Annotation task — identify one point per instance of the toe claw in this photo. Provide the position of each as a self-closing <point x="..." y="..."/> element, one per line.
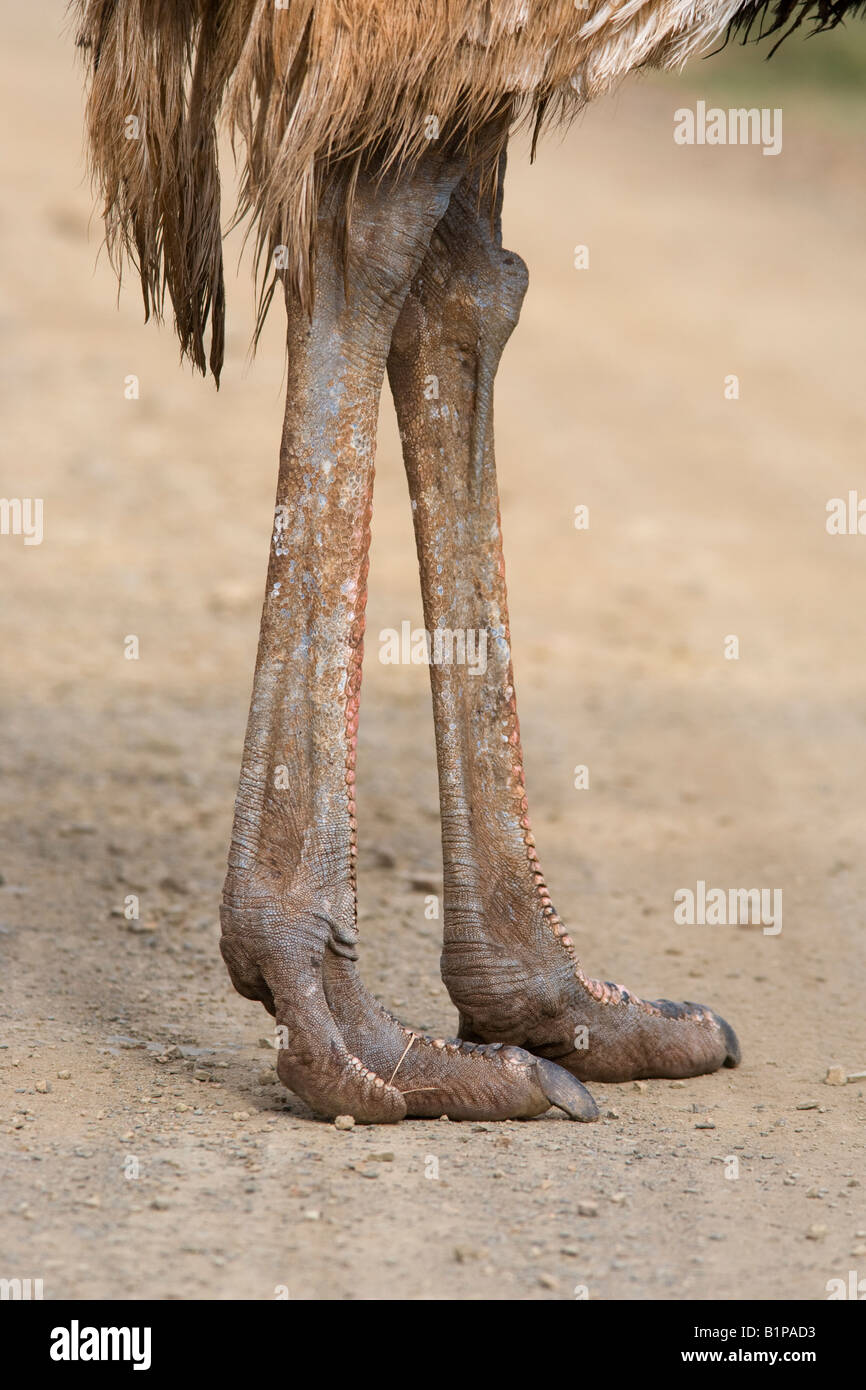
<point x="565" y="1091"/>
<point x="732" y="1042"/>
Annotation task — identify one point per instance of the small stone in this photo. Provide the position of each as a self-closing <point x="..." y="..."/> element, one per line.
<point x="93" y="1201"/>
<point x="43" y="1087"/>
<point x="463" y="1253"/>
<point x="808" y="1105"/>
<point x="836" y="1076"/>
<point x="618" y="1198"/>
<point x="678" y="1085"/>
<point x="547" y="1281"/>
<point x="241" y="1115"/>
<point x="312" y="1215"/>
<point x="170" y="884"/>
<point x="267" y="1042"/>
<point x="639" y="1085"/>
<point x="160" y="1204"/>
<point x="383" y="858"/>
<point x="705" y="1124"/>
<point x="64" y="1076"/>
<point x="816" y="1232"/>
<point x="344" y="1122"/>
<point x="380" y="1158"/>
<point x="265" y="1078"/>
<point x="587" y="1208"/>
<point x="611" y="1114"/>
<point x="425" y="883"/>
<point x="181" y="1107"/>
<point x="859" y="1250"/>
<point x="369" y="1172"/>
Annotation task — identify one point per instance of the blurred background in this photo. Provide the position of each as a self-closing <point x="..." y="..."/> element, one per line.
<point x="707" y="519"/>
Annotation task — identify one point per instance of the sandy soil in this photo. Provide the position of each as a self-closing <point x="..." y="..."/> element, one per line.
<point x="126" y="1051"/>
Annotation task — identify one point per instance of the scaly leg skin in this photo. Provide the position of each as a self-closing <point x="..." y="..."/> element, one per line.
<point x="289" y="916"/>
<point x="508" y="962"/>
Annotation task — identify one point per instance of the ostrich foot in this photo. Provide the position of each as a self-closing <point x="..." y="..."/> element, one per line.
<point x="346" y="1055"/>
<point x="597" y="1030"/>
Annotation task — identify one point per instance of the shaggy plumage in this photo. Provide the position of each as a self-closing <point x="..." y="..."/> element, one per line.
<point x="760" y="19"/>
<point x="315" y="88"/>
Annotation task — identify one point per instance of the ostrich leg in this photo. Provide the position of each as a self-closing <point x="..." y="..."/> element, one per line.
<point x="508" y="962"/>
<point x="288" y="916"/>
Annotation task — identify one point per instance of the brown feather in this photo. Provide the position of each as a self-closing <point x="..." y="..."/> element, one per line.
<point x="315" y="91"/>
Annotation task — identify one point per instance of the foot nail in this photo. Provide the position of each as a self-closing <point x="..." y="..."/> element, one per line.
<point x="731" y="1042"/>
<point x="564" y="1090"/>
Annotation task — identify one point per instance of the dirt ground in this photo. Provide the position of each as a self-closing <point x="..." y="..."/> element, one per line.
<point x="147" y="1150"/>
